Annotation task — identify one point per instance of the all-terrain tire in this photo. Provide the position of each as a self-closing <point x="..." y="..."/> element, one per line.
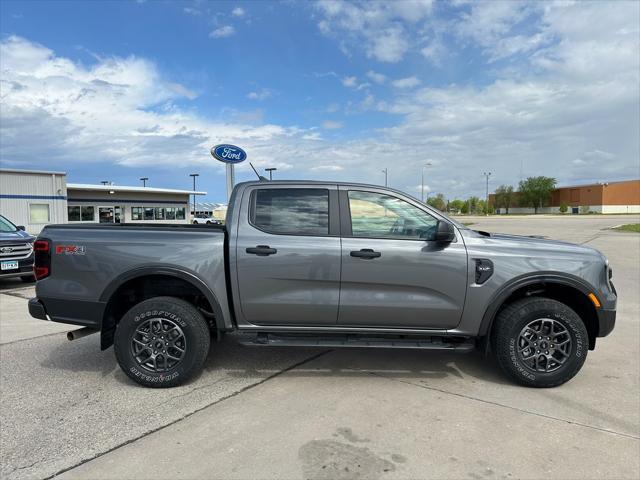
<point x="170" y="327"/>
<point x="508" y="341"/>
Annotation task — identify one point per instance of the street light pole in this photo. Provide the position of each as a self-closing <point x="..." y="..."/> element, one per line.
<point x="270" y="170"/>
<point x="428" y="164"/>
<point x="386" y="176"/>
<point x="486" y="205"/>
<point x="144" y="181"/>
<point x="194" y="175"/>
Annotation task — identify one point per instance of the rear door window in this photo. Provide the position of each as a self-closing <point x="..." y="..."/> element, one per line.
<point x="291" y="211"/>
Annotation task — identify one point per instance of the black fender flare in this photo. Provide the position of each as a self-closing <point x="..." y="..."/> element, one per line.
<point x="171" y="271"/>
<point x="499" y="297"/>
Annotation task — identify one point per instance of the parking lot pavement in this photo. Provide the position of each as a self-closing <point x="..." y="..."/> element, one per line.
<point x="311" y="413"/>
<point x="14" y="324"/>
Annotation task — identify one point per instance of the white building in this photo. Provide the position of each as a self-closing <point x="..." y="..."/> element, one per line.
<point x="36" y="198"/>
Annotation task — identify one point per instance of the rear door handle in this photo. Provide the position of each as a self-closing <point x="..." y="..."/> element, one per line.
<point x="365" y="253"/>
<point x="262" y="250"/>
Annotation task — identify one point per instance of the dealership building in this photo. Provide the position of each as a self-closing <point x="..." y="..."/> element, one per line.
<point x="35" y="198"/>
<point x="603" y="197"/>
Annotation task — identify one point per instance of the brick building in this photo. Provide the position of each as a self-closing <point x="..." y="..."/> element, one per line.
<point x="605" y="197"/>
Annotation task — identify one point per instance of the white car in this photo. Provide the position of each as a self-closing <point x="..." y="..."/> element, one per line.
<point x="200" y="219"/>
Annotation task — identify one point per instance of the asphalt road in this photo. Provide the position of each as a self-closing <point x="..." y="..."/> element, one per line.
<point x="65" y="407"/>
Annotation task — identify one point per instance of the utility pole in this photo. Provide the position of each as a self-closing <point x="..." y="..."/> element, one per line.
<point x="105" y="182"/>
<point x="428" y="164"/>
<point x="270" y="170"/>
<point x="194" y="175"/>
<point x="144" y="181"/>
<point x="386" y="177"/>
<point x="486" y="206"/>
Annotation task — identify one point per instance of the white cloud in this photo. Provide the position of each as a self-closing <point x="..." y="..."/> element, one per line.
<point x="261" y="94"/>
<point x="223" y="32"/>
<point x="435" y="52"/>
<point x="327" y="168"/>
<point x="332" y="125"/>
<point x="119" y="111"/>
<point x="409" y="82"/>
<point x="238" y="12"/>
<point x="380" y="27"/>
<point x="376" y="77"/>
<point x="350" y="82"/>
<point x="192" y="11"/>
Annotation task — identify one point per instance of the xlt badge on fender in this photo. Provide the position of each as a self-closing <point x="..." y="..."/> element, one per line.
<point x="484" y="270"/>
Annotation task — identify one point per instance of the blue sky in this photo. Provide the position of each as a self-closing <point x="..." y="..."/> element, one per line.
<point x="323" y="90"/>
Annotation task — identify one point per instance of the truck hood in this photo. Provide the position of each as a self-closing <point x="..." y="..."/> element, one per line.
<point x="15" y="237"/>
<point x="537" y="242"/>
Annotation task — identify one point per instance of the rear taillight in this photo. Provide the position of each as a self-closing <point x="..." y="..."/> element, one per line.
<point x="42" y="263"/>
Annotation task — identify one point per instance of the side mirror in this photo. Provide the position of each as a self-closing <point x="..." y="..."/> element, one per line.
<point x="445" y="233"/>
<point x="20" y="227"/>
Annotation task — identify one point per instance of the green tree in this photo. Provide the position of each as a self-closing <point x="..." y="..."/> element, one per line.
<point x="438" y="202"/>
<point x="456" y="206"/>
<point x="536" y="191"/>
<point x="564" y="207"/>
<point x="471" y="205"/>
<point x="503" y="197"/>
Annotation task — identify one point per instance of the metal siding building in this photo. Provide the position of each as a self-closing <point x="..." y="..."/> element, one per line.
<point x="33" y="198"/>
<point x="36" y="198"/>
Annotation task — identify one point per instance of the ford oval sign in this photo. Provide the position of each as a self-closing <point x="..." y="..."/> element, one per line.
<point x="228" y="153"/>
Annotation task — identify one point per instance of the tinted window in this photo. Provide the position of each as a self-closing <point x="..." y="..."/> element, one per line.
<point x="379" y="215"/>
<point x="73" y="214"/>
<point x="88" y="214"/>
<point x="293" y="211"/>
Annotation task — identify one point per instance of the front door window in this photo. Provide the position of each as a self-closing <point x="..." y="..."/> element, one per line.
<point x="376" y="215"/>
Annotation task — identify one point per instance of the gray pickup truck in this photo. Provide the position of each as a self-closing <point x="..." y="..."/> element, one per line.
<point x="324" y="264"/>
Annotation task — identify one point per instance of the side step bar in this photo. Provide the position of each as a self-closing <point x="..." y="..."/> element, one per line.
<point x="458" y="344"/>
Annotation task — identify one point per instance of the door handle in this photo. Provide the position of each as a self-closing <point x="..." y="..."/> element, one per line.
<point x="262" y="250"/>
<point x="365" y="253"/>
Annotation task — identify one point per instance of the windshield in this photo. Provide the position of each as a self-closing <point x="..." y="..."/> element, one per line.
<point x="6" y="226"/>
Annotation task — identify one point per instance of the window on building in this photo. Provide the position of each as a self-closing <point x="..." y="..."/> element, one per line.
<point x="137" y="213"/>
<point x="180" y="213"/>
<point x="77" y="213"/>
<point x="170" y="213"/>
<point x="159" y="215"/>
<point x="88" y="213"/>
<point x="39" y="213"/>
<point x="299" y="211"/>
<point x="148" y="213"/>
<point x="383" y="216"/>
<point x="73" y="214"/>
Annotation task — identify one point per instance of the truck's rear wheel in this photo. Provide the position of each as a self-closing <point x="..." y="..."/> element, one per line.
<point x="540" y="342"/>
<point x="162" y="342"/>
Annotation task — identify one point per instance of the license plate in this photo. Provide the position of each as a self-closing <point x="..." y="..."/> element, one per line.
<point x="9" y="265"/>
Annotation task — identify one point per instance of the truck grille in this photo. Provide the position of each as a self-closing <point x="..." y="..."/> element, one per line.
<point x="15" y="251"/>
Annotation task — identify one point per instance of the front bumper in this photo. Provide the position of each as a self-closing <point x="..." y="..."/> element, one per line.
<point x="25" y="268"/>
<point x="606" y="322"/>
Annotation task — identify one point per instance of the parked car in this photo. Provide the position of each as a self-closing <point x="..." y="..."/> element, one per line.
<point x="16" y="251"/>
<point x="206" y="220"/>
<point x="325" y="264"/>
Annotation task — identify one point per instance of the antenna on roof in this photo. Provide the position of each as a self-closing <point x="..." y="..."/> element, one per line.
<point x="260" y="177"/>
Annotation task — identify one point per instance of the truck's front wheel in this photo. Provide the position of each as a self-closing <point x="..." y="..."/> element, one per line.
<point x="162" y="342"/>
<point x="540" y="342"/>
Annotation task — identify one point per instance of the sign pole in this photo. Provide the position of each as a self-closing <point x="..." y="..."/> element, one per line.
<point x="231" y="181"/>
